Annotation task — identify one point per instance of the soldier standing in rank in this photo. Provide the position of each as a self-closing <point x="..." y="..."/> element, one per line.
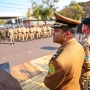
<point x="2" y="35"/>
<point x="19" y="33"/>
<point x="66" y="65"/>
<point x="15" y="33"/>
<point x="44" y="31"/>
<point x="31" y="30"/>
<point x="34" y="30"/>
<point x="49" y="31"/>
<point x="85" y="77"/>
<point x="27" y="34"/>
<point x="23" y="30"/>
<point x="38" y="32"/>
<point x="11" y="35"/>
<point x="6" y="32"/>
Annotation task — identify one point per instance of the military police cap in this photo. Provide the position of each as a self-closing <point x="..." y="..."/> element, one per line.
<point x="86" y="21"/>
<point x="64" y="21"/>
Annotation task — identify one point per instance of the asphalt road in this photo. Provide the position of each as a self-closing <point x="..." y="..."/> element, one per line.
<point x="21" y="52"/>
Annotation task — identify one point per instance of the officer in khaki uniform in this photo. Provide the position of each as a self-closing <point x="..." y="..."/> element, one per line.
<point x="66" y="64"/>
<point x="49" y="31"/>
<point x="27" y="33"/>
<point x="44" y="32"/>
<point x="31" y="30"/>
<point x="11" y="35"/>
<point x="23" y="30"/>
<point x="19" y="33"/>
<point x="85" y="77"/>
<point x="15" y="33"/>
<point x="6" y="32"/>
<point x="2" y="35"/>
<point x="35" y="31"/>
<point x="38" y="31"/>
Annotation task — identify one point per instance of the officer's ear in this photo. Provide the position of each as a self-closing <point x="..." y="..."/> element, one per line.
<point x="86" y="27"/>
<point x="68" y="33"/>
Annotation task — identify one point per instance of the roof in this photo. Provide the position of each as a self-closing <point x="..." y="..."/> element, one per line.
<point x="9" y="15"/>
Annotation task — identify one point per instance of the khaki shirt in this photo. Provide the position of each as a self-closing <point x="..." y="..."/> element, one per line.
<point x="23" y="30"/>
<point x="15" y="31"/>
<point x="31" y="30"/>
<point x="27" y="30"/>
<point x="19" y="30"/>
<point x="11" y="32"/>
<point x="2" y="32"/>
<point x="65" y="67"/>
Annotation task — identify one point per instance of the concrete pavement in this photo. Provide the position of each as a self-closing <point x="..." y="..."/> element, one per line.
<point x="31" y="74"/>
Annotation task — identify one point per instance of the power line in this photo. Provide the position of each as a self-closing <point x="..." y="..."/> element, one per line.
<point x="13" y="4"/>
<point x="13" y="7"/>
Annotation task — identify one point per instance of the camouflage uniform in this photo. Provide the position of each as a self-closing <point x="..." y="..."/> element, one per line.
<point x="85" y="77"/>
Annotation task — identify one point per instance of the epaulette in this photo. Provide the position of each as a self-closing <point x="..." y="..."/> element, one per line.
<point x="57" y="54"/>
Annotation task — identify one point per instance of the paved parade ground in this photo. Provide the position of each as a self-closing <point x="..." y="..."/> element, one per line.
<point x="29" y="61"/>
<point x="21" y="52"/>
<point x="31" y="74"/>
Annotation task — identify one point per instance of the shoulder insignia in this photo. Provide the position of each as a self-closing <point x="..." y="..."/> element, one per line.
<point x="51" y="68"/>
<point x="86" y="57"/>
<point x="57" y="54"/>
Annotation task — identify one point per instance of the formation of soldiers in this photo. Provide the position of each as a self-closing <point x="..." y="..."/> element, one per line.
<point x="25" y="33"/>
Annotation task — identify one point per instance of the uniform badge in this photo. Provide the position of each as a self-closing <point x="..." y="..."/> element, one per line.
<point x="86" y="57"/>
<point x="51" y="68"/>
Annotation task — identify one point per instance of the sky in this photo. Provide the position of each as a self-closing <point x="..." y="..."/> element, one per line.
<point x="23" y="5"/>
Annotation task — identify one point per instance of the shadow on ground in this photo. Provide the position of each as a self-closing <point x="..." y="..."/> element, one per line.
<point x="4" y="43"/>
<point x="49" y="48"/>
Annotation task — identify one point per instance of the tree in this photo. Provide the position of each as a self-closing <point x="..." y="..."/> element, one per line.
<point x="47" y="13"/>
<point x="86" y="9"/>
<point x="44" y="12"/>
<point x="2" y="22"/>
<point x="28" y="13"/>
<point x="36" y="11"/>
<point x="74" y="11"/>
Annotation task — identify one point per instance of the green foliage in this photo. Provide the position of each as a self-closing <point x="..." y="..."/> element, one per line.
<point x="28" y="13"/>
<point x="47" y="13"/>
<point x="74" y="11"/>
<point x="43" y="10"/>
<point x="2" y="22"/>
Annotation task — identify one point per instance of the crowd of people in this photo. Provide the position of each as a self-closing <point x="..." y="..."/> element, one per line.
<point x="25" y="33"/>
